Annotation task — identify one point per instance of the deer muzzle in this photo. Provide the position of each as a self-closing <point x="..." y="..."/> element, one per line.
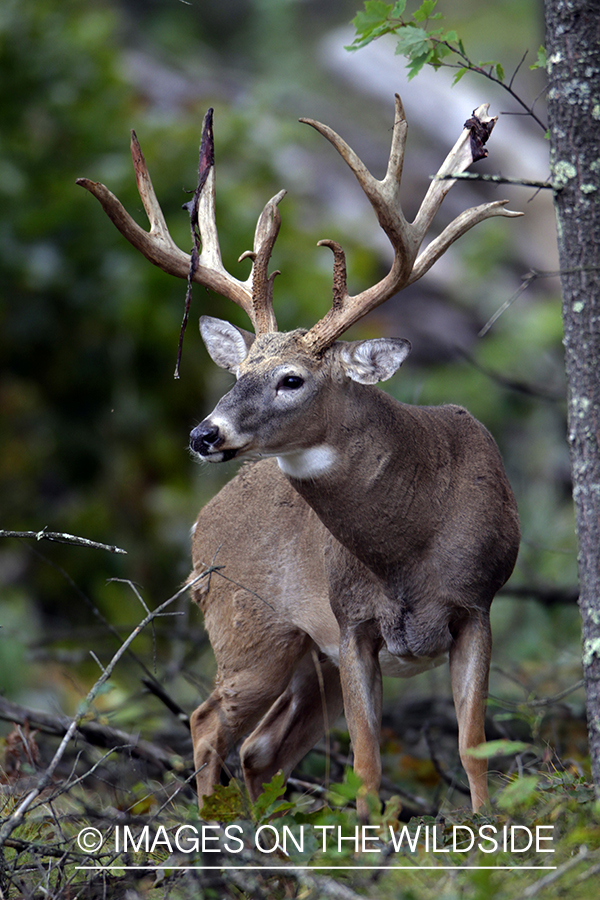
<point x="206" y="441"/>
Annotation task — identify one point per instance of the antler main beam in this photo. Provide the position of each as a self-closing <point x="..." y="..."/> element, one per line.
<point x="204" y="266"/>
<point x="406" y="238"/>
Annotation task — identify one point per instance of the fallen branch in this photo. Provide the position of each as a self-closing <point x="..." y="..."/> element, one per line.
<point x="93" y="732"/>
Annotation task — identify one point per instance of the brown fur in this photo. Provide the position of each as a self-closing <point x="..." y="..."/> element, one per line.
<point x="391" y="557"/>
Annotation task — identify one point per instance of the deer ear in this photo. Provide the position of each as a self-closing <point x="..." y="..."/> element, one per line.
<point x="227" y="344"/>
<point x="371" y="361"/>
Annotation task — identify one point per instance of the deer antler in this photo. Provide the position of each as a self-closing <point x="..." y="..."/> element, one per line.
<point x="204" y="266"/>
<point x="255" y="295"/>
<point x="405" y="237"/>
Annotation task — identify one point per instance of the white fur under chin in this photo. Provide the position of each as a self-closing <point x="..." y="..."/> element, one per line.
<point x="311" y="463"/>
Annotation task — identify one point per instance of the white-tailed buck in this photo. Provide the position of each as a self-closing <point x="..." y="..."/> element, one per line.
<point x="375" y="536"/>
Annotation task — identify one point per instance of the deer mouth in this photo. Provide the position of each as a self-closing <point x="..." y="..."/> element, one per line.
<point x="214" y="455"/>
<point x="208" y="443"/>
<point x="218" y="455"/>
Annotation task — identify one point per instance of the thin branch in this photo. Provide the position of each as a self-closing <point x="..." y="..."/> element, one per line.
<point x="550" y="701"/>
<point x="209" y="569"/>
<point x="19" y="814"/>
<point x="534" y="889"/>
<point x="95" y="611"/>
<point x="512" y="384"/>
<point x="448" y="778"/>
<point x="495" y="179"/>
<point x="470" y="66"/>
<point x="516" y="72"/>
<point x="22" y="846"/>
<point x="61" y="538"/>
<point x="547" y="596"/>
<point x="154" y="687"/>
<point x="527" y="280"/>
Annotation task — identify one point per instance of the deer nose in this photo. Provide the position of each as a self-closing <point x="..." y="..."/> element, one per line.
<point x="204" y="438"/>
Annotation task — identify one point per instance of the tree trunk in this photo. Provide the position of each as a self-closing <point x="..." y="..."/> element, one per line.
<point x="572" y="44"/>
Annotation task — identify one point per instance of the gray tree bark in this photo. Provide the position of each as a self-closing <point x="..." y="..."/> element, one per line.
<point x="573" y="49"/>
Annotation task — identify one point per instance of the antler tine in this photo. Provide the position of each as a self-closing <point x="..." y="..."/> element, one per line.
<point x="452" y="232"/>
<point x="204" y="266"/>
<point x="383" y="195"/>
<point x="267" y="229"/>
<point x="468" y="149"/>
<point x="406" y="238"/>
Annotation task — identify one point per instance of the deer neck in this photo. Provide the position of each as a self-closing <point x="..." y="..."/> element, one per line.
<point x="361" y="471"/>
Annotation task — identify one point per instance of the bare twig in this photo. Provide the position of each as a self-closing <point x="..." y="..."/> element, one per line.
<point x="547" y="596"/>
<point x="61" y="538"/>
<point x="534" y="889"/>
<point x="527" y="280"/>
<point x="159" y="691"/>
<point x="470" y="66"/>
<point x="495" y="179"/>
<point x="97" y="613"/>
<point x="534" y="703"/>
<point x="447" y="777"/>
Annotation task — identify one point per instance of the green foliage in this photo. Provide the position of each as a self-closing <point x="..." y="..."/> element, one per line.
<point x="541" y="61"/>
<point x="501" y="747"/>
<point x="231" y="802"/>
<point x="418" y="43"/>
<point x="268" y="804"/>
<point x="226" y="804"/>
<point x="562" y="805"/>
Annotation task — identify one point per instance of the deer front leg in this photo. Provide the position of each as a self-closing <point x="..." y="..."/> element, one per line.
<point x="469" y="671"/>
<point x="360" y="675"/>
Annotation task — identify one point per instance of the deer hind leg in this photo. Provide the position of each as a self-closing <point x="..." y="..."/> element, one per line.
<point x="294" y="724"/>
<point x="238" y="702"/>
<point x="469" y="671"/>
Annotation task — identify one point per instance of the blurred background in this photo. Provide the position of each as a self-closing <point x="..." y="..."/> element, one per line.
<point x="94" y="429"/>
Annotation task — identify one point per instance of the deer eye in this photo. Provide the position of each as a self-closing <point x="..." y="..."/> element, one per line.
<point x="290" y="383"/>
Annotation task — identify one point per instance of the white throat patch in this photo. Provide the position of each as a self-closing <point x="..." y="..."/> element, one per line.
<point x="305" y="464"/>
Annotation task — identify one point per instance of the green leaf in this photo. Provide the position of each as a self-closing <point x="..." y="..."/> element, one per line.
<point x="458" y="76"/>
<point x="371" y="23"/>
<point x="425" y="11"/>
<point x="412" y="41"/>
<point x="374" y="14"/>
<point x="439" y="52"/>
<point x="498" y="748"/>
<point x="268" y="802"/>
<point x="225" y="804"/>
<point x="499" y="72"/>
<point x="398" y="9"/>
<point x="341" y="794"/>
<point x="541" y="61"/>
<point x="416" y="63"/>
<point x="520" y="791"/>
